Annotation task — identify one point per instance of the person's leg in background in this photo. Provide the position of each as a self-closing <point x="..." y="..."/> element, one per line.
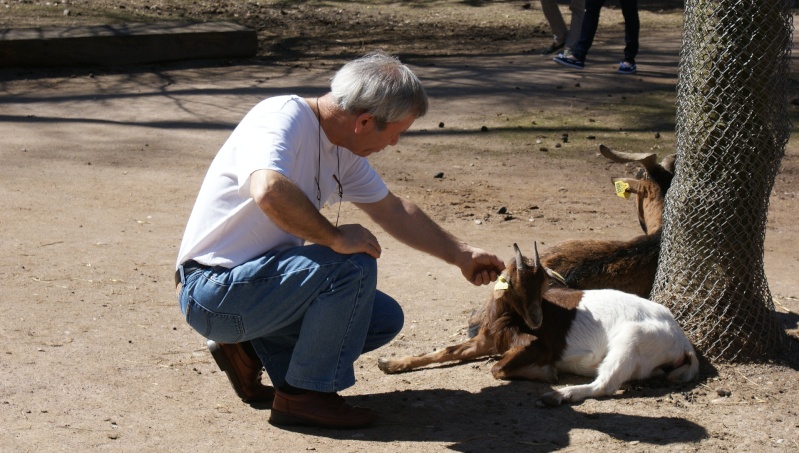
<point x="577" y="8"/>
<point x="588" y="30"/>
<point x="632" y="27"/>
<point x="560" y="33"/>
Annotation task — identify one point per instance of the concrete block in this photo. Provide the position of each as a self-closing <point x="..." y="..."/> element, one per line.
<point x="125" y="44"/>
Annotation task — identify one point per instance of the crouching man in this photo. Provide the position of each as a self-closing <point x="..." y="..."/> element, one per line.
<point x="269" y="281"/>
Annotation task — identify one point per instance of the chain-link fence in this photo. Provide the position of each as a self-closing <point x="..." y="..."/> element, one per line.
<point x="732" y="128"/>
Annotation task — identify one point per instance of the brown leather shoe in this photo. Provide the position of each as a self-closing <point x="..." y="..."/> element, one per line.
<point x="324" y="410"/>
<point x="243" y="369"/>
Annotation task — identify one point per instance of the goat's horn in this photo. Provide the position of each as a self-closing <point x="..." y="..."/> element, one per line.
<point x="537" y="259"/>
<point x="519" y="259"/>
<point x="647" y="160"/>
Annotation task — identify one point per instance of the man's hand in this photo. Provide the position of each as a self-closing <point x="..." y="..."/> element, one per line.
<point x="356" y="238"/>
<point x="480" y="267"/>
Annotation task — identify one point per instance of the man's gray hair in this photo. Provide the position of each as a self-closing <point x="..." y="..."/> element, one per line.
<point x="380" y="84"/>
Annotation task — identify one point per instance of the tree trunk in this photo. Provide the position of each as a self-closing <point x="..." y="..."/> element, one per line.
<point x="732" y="127"/>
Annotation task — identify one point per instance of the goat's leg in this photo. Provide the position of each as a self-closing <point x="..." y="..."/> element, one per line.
<point x="473" y="348"/>
<point x="520" y="363"/>
<point x="619" y="365"/>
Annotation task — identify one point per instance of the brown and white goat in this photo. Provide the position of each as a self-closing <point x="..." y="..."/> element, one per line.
<point x="629" y="266"/>
<point x="538" y="330"/>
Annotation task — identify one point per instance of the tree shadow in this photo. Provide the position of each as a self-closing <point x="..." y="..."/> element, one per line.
<point x="509" y="80"/>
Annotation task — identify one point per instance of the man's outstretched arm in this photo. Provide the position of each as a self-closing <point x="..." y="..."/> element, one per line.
<point x="405" y="221"/>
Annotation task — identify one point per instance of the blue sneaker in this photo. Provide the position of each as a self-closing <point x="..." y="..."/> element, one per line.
<point x="625" y="68"/>
<point x="569" y="61"/>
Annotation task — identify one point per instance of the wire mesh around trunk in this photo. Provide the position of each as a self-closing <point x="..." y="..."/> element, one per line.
<point x="732" y="128"/>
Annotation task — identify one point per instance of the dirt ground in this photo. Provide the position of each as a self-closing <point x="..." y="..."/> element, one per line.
<point x="100" y="168"/>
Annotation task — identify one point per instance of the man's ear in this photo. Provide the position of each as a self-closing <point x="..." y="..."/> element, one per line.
<point x="364" y="123"/>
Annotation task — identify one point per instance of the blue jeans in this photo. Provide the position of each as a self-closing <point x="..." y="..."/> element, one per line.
<point x="308" y="311"/>
<point x="632" y="26"/>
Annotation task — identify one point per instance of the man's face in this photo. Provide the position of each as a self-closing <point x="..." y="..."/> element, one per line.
<point x="371" y="140"/>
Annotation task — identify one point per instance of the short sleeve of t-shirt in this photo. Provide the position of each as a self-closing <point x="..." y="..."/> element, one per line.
<point x="361" y="182"/>
<point x="270" y="137"/>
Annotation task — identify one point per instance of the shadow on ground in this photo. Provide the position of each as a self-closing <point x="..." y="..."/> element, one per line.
<point x="503" y="418"/>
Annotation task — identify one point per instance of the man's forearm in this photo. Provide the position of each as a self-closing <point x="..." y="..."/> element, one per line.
<point x="290" y="209"/>
<point x="406" y="222"/>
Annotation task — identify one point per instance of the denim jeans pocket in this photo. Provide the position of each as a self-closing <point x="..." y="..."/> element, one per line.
<point x="221" y="327"/>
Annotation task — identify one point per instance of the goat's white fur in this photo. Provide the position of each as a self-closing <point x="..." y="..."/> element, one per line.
<point x="617" y="337"/>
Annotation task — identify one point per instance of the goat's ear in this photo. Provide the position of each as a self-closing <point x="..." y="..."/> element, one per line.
<point x="647" y="160"/>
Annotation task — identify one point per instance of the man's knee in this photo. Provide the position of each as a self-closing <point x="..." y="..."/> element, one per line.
<point x="391" y="313"/>
<point x="387" y="322"/>
<point x="366" y="264"/>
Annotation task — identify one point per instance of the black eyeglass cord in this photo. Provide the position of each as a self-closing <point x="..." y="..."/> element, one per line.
<point x="319" y="167"/>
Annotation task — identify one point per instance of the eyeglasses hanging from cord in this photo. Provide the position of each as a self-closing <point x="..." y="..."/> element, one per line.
<point x="319" y="168"/>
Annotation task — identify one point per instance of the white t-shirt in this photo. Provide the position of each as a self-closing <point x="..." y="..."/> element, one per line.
<point x="226" y="227"/>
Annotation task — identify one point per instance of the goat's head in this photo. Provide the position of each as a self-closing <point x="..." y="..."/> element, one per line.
<point x="649" y="185"/>
<point x="520" y="289"/>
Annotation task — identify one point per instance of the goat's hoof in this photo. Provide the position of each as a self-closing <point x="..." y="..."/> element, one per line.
<point x="551" y="399"/>
<point x="385" y="366"/>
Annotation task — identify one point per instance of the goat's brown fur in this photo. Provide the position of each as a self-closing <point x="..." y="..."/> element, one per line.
<point x="627" y="266"/>
<point x="512" y="327"/>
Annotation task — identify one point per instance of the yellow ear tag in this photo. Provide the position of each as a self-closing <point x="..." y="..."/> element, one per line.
<point x="621" y="189"/>
<point x="501" y="284"/>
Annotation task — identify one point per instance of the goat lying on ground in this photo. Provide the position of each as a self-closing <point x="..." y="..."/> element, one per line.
<point x="540" y="329"/>
<point x="649" y="186"/>
<point x="630" y="265"/>
<point x="627" y="266"/>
